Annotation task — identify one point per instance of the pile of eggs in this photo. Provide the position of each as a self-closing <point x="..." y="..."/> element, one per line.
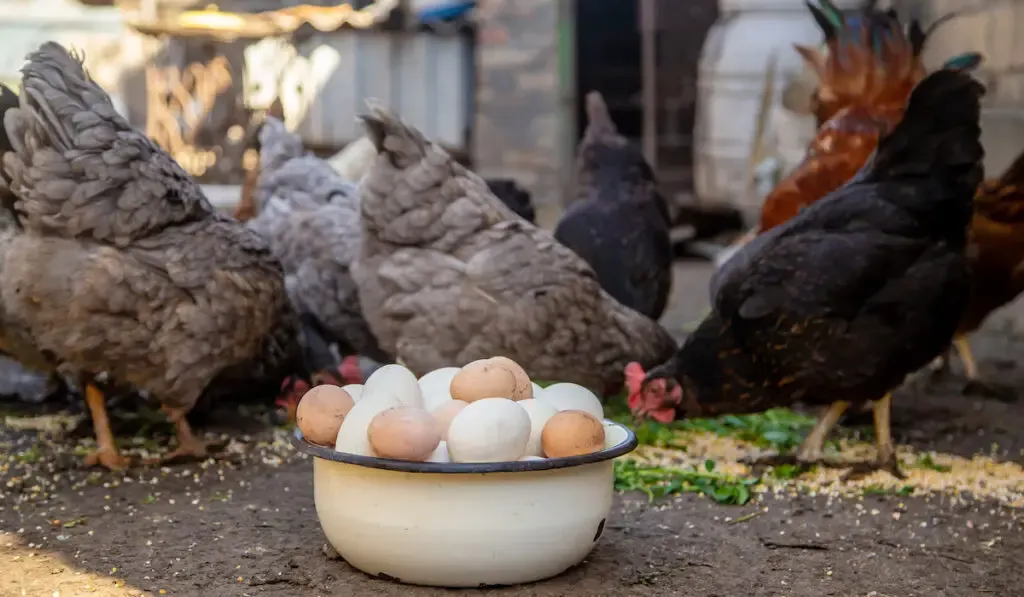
<point x="487" y="411"/>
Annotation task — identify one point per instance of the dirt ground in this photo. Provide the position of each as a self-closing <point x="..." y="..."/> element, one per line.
<point x="249" y="528"/>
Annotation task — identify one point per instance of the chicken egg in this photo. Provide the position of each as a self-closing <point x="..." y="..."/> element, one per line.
<point x="435" y="387"/>
<point x="444" y="414"/>
<point x="403" y="433"/>
<point x="570" y="396"/>
<point x="321" y="412"/>
<point x="396" y="381"/>
<point x="440" y="453"/>
<point x="483" y="379"/>
<point x="352" y="437"/>
<point x="524" y="387"/>
<point x="530" y="457"/>
<point x="537" y="390"/>
<point x="572" y="433"/>
<point x="539" y="413"/>
<point x="489" y="430"/>
<point x="355" y="390"/>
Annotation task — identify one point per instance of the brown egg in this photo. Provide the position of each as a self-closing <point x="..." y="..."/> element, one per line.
<point x="444" y="414"/>
<point x="320" y="413"/>
<point x="483" y="379"/>
<point x="403" y="433"/>
<point x="524" y="389"/>
<point x="572" y="433"/>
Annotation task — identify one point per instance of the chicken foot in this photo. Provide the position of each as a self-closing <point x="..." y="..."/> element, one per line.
<point x="190" y="446"/>
<point x="885" y="458"/>
<point x="975" y="385"/>
<point x="106" y="452"/>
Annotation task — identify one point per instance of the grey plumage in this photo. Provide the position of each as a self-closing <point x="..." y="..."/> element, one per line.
<point x="310" y="217"/>
<point x="124" y="266"/>
<point x="449" y="274"/>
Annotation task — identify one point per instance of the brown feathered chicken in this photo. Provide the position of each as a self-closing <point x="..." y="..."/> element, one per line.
<point x="125" y="268"/>
<point x="449" y="274"/>
<point x="864" y="80"/>
<point x="996" y="250"/>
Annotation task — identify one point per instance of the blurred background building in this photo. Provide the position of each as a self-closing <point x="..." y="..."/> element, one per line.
<point x="499" y="82"/>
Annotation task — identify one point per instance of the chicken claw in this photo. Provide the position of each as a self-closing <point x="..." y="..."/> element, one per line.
<point x="190" y="447"/>
<point x="112" y="459"/>
<point x="106" y="451"/>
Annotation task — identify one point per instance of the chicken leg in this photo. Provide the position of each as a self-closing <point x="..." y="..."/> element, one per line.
<point x="975" y="385"/>
<point x="812" y="448"/>
<point x="963" y="348"/>
<point x="106" y="452"/>
<point x="885" y="458"/>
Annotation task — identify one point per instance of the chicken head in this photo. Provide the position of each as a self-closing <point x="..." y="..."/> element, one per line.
<point x="292" y="390"/>
<point x="655" y="400"/>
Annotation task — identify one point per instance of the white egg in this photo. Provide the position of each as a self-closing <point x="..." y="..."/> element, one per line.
<point x="539" y="412"/>
<point x="537" y="390"/>
<point x="489" y="430"/>
<point x="435" y="387"/>
<point x="529" y="457"/>
<point x="570" y="396"/>
<point x="395" y="381"/>
<point x="352" y="437"/>
<point x="440" y="453"/>
<point x="355" y="390"/>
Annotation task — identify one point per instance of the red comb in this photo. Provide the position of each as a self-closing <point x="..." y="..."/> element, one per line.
<point x="634" y="377"/>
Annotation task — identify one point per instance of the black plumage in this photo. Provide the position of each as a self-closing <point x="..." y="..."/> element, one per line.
<point x="620" y="224"/>
<point x="859" y="290"/>
<point x="514" y="197"/>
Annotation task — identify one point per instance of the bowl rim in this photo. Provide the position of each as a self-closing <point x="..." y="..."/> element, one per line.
<point x="518" y="466"/>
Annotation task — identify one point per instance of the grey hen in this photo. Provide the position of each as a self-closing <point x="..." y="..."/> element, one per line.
<point x="125" y="268"/>
<point x="310" y="217"/>
<point x="621" y="224"/>
<point x="448" y="274"/>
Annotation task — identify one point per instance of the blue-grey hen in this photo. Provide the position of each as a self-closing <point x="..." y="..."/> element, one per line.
<point x="839" y="304"/>
<point x="620" y="224"/>
<point x="310" y="216"/>
<point x="123" y="266"/>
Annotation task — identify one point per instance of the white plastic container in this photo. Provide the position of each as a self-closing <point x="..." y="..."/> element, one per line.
<point x="465" y="525"/>
<point x="730" y="86"/>
<point x="990" y="27"/>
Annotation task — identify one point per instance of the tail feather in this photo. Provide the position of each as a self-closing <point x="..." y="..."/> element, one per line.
<point x="939" y="133"/>
<point x="8" y="100"/>
<point x="75" y="160"/>
<point x="403" y="144"/>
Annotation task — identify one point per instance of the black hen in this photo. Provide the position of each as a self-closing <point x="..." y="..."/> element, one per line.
<point x="841" y="303"/>
<point x="621" y="224"/>
<point x="514" y="197"/>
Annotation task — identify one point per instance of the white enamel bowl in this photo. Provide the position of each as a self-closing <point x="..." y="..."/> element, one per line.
<point x="465" y="525"/>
